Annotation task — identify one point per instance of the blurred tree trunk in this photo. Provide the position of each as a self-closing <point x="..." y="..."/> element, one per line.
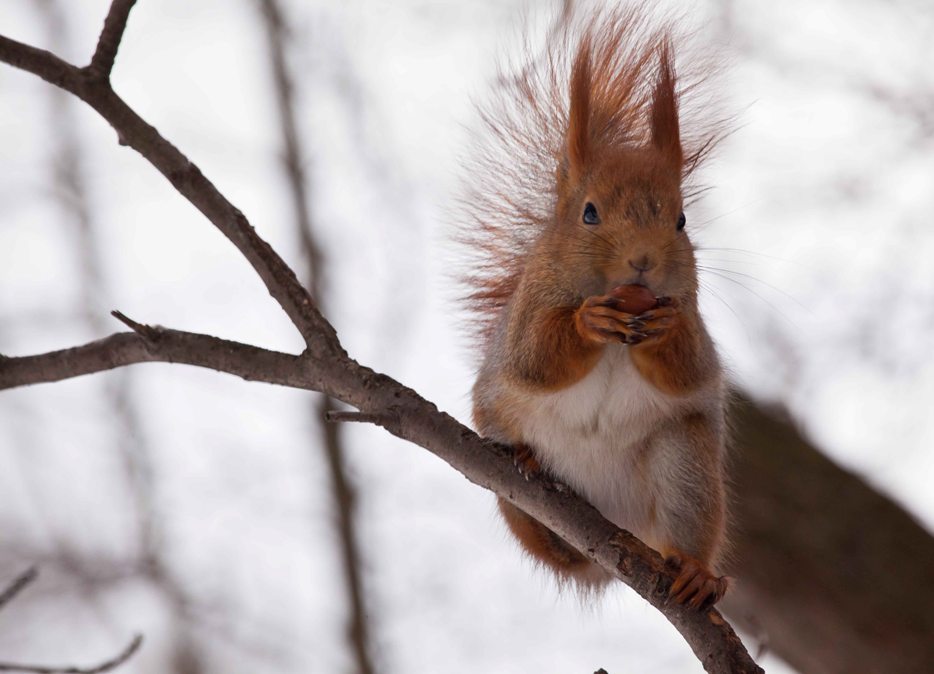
<point x="835" y="576"/>
<point x="328" y="435"/>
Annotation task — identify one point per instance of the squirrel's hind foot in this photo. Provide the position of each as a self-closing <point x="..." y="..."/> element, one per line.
<point x="694" y="585"/>
<point x="524" y="459"/>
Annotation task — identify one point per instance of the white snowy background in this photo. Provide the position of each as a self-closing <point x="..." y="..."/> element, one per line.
<point x="820" y="292"/>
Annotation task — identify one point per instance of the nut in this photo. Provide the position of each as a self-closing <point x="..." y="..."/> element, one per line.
<point x="634" y="299"/>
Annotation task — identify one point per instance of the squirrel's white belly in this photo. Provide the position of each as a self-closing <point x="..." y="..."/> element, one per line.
<point x="592" y="435"/>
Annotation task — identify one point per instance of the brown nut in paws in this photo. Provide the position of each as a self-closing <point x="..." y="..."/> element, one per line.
<point x="634" y="299"/>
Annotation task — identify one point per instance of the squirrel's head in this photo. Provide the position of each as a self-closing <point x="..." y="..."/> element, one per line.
<point x="619" y="212"/>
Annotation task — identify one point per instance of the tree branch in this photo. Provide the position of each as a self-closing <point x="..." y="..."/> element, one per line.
<point x="325" y="367"/>
<point x="162" y="345"/>
<point x="407" y="415"/>
<point x="102" y="62"/>
<point x="105" y="666"/>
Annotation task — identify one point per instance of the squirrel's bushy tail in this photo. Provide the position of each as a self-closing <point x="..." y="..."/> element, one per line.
<point x="616" y="58"/>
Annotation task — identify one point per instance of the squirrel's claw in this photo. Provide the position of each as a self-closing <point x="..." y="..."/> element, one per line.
<point x="694" y="585"/>
<point x="525" y="462"/>
<point x="654" y="323"/>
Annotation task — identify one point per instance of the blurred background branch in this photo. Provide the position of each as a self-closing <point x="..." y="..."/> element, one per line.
<point x="77" y="216"/>
<point x="17" y="585"/>
<point x="105" y="666"/>
<point x="327" y="435"/>
<point x="11" y="591"/>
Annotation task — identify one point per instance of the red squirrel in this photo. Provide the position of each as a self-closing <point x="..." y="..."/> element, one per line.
<point x="596" y="364"/>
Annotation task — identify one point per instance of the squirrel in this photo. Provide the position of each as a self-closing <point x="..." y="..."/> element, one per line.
<point x="575" y="211"/>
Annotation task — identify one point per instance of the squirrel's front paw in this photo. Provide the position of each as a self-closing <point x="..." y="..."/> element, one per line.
<point x="655" y="323"/>
<point x="602" y="319"/>
<point x="694" y="585"/>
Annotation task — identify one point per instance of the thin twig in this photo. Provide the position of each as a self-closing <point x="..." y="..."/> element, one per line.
<point x="102" y="62"/>
<point x="147" y="332"/>
<point x="18" y="584"/>
<point x="105" y="666"/>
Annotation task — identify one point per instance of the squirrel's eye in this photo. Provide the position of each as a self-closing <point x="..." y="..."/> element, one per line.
<point x="590" y="215"/>
<point x="682" y="221"/>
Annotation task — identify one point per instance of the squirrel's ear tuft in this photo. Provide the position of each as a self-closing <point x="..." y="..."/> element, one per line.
<point x="665" y="135"/>
<point x="578" y="133"/>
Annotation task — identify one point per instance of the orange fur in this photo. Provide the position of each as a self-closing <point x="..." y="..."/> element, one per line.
<point x="678" y="361"/>
<point x="581" y="175"/>
<point x="542" y="544"/>
<point x="571" y="355"/>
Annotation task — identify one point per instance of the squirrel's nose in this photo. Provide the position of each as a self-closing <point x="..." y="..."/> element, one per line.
<point x="642" y="263"/>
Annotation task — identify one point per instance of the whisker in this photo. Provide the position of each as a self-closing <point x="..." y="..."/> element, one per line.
<point x="720" y="216"/>
<point x="772" y="306"/>
<point x="746" y="252"/>
<point x="751" y="277"/>
<point x="710" y="289"/>
<point x="744" y="323"/>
